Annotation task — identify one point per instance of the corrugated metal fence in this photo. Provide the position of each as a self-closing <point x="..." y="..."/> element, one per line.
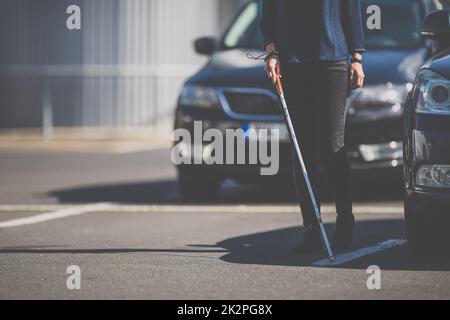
<point x="124" y="68"/>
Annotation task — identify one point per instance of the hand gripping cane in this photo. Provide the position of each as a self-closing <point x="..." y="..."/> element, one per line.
<point x="305" y="173"/>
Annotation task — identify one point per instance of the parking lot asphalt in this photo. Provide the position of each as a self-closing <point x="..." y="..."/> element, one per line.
<point x="119" y="218"/>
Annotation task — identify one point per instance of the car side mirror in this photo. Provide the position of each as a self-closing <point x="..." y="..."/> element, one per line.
<point x="205" y="46"/>
<point x="437" y="25"/>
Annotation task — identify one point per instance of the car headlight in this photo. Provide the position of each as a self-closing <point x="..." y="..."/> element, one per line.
<point x="199" y="96"/>
<point x="437" y="176"/>
<point x="434" y="93"/>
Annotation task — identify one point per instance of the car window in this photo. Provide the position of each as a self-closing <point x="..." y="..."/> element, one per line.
<point x="244" y="31"/>
<point x="400" y="21"/>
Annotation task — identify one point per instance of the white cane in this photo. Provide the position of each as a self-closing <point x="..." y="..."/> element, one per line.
<point x="305" y="173"/>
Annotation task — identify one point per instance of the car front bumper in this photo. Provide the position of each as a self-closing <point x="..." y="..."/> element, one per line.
<point x="428" y="144"/>
<point x="372" y="145"/>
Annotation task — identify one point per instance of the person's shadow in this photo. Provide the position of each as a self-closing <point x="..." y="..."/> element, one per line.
<point x="279" y="248"/>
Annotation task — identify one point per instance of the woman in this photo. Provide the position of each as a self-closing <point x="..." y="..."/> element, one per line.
<point x="317" y="47"/>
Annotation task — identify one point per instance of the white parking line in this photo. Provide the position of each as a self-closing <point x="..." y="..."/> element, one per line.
<point x="59" y="214"/>
<point x="118" y="208"/>
<point x="359" y="253"/>
<point x="62" y="211"/>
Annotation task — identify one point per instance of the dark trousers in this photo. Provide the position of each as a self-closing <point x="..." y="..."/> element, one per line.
<point x="316" y="94"/>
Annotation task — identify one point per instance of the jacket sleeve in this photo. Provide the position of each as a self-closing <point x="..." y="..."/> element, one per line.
<point x="268" y="23"/>
<point x="353" y="25"/>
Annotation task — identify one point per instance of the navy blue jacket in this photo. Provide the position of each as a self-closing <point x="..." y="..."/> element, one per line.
<point x="313" y="30"/>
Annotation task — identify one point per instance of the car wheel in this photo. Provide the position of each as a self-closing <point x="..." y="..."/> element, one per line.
<point x="198" y="186"/>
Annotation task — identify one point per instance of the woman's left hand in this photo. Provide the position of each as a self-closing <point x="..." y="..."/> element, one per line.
<point x="357" y="75"/>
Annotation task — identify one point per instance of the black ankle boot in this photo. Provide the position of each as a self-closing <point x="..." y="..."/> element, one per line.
<point x="311" y="242"/>
<point x="343" y="235"/>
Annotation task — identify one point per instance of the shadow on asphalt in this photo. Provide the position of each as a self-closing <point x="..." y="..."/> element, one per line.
<point x="278" y="248"/>
<point x="275" y="247"/>
<point x="165" y="192"/>
<point x="60" y="250"/>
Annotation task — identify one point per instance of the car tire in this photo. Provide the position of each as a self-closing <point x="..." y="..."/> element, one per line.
<point x="196" y="185"/>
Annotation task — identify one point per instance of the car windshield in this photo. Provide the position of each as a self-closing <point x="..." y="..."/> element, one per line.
<point x="400" y="26"/>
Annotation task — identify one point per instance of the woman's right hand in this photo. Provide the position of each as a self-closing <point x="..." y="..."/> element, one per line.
<point x="273" y="68"/>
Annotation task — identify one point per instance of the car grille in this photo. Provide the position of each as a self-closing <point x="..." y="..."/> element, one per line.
<point x="252" y="103"/>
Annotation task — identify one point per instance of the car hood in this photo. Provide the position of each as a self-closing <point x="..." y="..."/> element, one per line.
<point x="392" y="66"/>
<point x="233" y="68"/>
<point x="440" y="63"/>
<point x="389" y="77"/>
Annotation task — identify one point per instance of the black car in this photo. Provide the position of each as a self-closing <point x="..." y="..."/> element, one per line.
<point x="232" y="91"/>
<point x="427" y="144"/>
